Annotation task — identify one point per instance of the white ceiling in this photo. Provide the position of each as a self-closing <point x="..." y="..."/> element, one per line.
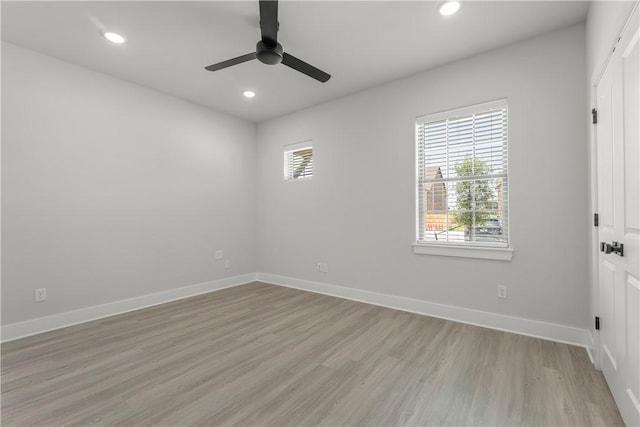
<point x="360" y="43"/>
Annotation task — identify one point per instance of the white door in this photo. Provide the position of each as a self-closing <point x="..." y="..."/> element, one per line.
<point x="618" y="159"/>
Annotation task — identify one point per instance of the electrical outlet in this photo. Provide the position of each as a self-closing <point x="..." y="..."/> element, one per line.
<point x="219" y="254"/>
<point x="502" y="291"/>
<point x="325" y="268"/>
<point x="227" y="263"/>
<point x="319" y="267"/>
<point x="40" y="294"/>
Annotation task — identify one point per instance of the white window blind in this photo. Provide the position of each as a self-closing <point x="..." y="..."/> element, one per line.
<point x="462" y="176"/>
<point x="298" y="161"/>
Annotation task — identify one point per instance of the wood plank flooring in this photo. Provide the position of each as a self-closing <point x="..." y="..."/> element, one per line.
<point x="265" y="355"/>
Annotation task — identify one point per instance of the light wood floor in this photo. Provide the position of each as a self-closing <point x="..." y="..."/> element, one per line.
<point x="266" y="355"/>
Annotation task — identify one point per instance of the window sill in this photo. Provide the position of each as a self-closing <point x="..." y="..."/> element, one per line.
<point x="500" y="254"/>
<point x="302" y="178"/>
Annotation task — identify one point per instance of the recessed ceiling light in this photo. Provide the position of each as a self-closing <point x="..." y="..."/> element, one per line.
<point x="249" y="93"/>
<point x="448" y="8"/>
<point x="114" y="38"/>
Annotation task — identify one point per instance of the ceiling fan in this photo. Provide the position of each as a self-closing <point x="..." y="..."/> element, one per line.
<point x="268" y="50"/>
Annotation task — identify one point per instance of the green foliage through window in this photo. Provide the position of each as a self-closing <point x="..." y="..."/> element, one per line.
<point x="474" y="198"/>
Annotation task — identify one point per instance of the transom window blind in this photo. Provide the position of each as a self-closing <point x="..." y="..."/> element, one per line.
<point x="298" y="161"/>
<point x="462" y="176"/>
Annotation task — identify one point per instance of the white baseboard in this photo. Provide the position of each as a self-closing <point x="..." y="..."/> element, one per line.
<point x="518" y="325"/>
<point x="533" y="328"/>
<point x="17" y="330"/>
<point x="592" y="349"/>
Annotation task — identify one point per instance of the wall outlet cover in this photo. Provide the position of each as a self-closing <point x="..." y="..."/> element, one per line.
<point x="502" y="291"/>
<point x="40" y="294"/>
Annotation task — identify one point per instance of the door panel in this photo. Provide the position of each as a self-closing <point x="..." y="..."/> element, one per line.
<point x="630" y="72"/>
<point x="633" y="339"/>
<point x="618" y="170"/>
<point x="607" y="314"/>
<point x="631" y="154"/>
<point x="608" y="128"/>
<point x="605" y="151"/>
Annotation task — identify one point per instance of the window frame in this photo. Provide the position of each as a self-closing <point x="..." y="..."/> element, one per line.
<point x="461" y="249"/>
<point x="288" y="151"/>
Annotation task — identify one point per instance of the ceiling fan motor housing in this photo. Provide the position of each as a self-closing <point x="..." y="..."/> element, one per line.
<point x="268" y="50"/>
<point x="268" y="53"/>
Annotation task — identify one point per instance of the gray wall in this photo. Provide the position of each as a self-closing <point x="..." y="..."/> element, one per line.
<point x="111" y="191"/>
<point x="358" y="211"/>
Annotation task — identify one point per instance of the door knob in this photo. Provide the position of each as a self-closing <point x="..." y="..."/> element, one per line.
<point x="614" y="247"/>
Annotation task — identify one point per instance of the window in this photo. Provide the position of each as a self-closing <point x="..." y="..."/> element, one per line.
<point x="298" y="161"/>
<point x="462" y="178"/>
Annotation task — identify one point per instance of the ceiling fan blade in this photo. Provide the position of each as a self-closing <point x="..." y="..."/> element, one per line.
<point x="230" y="62"/>
<point x="303" y="67"/>
<point x="269" y="21"/>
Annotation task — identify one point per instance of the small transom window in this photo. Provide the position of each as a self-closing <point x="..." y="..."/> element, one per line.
<point x="298" y="161"/>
